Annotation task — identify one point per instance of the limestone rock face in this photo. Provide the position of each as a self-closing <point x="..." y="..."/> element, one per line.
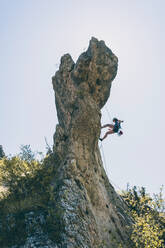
<point x="89" y="213"/>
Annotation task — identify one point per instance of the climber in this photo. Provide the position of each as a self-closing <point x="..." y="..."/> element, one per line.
<point x="113" y="128"/>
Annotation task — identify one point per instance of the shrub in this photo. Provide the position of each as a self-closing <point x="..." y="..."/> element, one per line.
<point x="149" y="218"/>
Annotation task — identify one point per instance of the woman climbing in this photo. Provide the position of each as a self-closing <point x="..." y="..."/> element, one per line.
<point x="113" y="128"/>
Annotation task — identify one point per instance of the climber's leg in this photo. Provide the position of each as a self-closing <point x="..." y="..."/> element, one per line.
<point x="107" y="125"/>
<point x="107" y="133"/>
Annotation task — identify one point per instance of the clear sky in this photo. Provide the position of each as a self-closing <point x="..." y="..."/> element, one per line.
<point x="34" y="34"/>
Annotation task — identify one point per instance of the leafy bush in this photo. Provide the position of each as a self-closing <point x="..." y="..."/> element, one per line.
<point x="23" y="179"/>
<point x="26" y="184"/>
<point x="2" y="154"/>
<point x="149" y="218"/>
<point x="25" y="187"/>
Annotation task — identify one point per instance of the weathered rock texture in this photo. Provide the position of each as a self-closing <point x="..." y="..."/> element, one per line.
<point x="89" y="213"/>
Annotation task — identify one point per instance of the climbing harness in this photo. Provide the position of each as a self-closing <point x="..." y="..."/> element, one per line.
<point x="118" y="126"/>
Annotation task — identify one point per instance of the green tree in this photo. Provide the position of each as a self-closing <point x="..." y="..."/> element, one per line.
<point x="148" y="216"/>
<point x="2" y="154"/>
<point x="26" y="153"/>
<point x="25" y="186"/>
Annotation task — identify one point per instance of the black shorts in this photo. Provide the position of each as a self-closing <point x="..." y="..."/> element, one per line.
<point x="115" y="129"/>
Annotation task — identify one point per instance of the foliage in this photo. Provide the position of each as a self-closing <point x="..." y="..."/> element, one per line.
<point x="2" y="154"/>
<point x="22" y="179"/>
<point x="148" y="216"/>
<point x="26" y="184"/>
<point x="27" y="154"/>
<point x="159" y="202"/>
<point x="49" y="149"/>
<point x="27" y="187"/>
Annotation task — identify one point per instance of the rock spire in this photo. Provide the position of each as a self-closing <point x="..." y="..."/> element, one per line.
<point x="89" y="212"/>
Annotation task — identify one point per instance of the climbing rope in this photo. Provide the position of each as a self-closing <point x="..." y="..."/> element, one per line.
<point x="104" y="161"/>
<point x="101" y="146"/>
<point x="108" y="114"/>
<point x="114" y="184"/>
<point x="106" y="169"/>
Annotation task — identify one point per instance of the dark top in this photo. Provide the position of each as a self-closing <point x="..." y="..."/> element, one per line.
<point x="116" y="126"/>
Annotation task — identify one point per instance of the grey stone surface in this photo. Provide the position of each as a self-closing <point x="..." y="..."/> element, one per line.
<point x="91" y="213"/>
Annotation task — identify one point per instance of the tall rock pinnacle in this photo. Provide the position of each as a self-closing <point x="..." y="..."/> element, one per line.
<point x="89" y="212"/>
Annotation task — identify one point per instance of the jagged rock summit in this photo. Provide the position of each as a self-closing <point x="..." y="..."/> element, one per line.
<point x="89" y="213"/>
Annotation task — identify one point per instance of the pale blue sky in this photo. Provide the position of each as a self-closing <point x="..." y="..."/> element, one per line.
<point x="34" y="34"/>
